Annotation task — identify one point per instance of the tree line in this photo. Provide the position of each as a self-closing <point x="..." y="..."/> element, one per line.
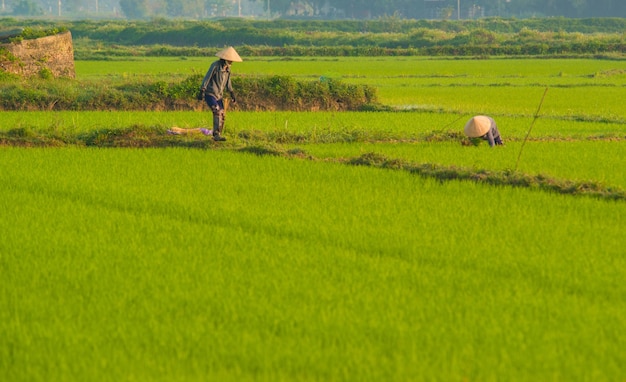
<point x="311" y="9"/>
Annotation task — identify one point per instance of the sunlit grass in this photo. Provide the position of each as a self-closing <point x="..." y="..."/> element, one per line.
<point x="128" y="262"/>
<point x="402" y="125"/>
<point x="580" y="160"/>
<point x="183" y="264"/>
<point x="580" y="87"/>
<point x="421" y="68"/>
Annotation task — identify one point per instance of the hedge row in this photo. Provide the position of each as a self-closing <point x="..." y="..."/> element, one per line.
<point x="536" y="49"/>
<point x="264" y="93"/>
<point x="124" y="31"/>
<point x="388" y="36"/>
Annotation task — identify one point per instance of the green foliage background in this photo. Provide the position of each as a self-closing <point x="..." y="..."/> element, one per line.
<point x="385" y="36"/>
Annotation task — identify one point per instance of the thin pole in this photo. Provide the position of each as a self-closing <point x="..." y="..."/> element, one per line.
<point x="531" y="127"/>
<point x="455" y="121"/>
<point x="458" y="9"/>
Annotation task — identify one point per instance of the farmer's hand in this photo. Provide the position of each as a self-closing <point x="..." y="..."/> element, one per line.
<point x="233" y="100"/>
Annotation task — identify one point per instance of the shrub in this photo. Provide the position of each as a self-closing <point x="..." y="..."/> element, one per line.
<point x="263" y="93"/>
<point x="45" y="74"/>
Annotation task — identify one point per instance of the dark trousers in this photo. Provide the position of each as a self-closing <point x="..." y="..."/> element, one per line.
<point x="219" y="115"/>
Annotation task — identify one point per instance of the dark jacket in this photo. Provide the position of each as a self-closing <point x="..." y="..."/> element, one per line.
<point x="493" y="135"/>
<point x="216" y="80"/>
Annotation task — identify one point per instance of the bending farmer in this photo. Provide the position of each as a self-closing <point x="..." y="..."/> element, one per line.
<point x="216" y="80"/>
<point x="483" y="127"/>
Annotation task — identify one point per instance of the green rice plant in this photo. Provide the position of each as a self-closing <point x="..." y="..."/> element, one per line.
<point x="119" y="263"/>
<point x="588" y="160"/>
<point x="563" y="149"/>
<point x="508" y="177"/>
<point x="314" y="126"/>
<point x="495" y="86"/>
<point x="426" y="69"/>
<point x="81" y="122"/>
<point x="271" y="259"/>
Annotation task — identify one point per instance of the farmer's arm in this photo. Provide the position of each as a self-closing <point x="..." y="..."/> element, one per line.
<point x="229" y="87"/>
<point x="496" y="134"/>
<point x="490" y="138"/>
<point x="207" y="77"/>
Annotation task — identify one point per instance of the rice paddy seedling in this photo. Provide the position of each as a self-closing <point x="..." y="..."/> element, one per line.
<point x="297" y="270"/>
<point x="579" y="160"/>
<point x="532" y="124"/>
<point x="496" y="86"/>
<point x="277" y="256"/>
<point x="425" y="69"/>
<point x="402" y="125"/>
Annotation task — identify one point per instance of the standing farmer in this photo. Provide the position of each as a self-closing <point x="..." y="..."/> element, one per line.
<point x="483" y="127"/>
<point x="216" y="80"/>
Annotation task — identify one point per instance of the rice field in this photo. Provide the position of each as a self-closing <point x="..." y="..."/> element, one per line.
<point x="182" y="264"/>
<point x="199" y="264"/>
<point x="579" y="88"/>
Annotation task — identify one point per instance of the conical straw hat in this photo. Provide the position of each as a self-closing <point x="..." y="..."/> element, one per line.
<point x="477" y="126"/>
<point x="229" y="54"/>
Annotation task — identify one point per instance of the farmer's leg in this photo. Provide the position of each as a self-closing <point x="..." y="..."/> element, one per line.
<point x="222" y="120"/>
<point x="215" y="107"/>
<point x="221" y="115"/>
<point x="218" y="120"/>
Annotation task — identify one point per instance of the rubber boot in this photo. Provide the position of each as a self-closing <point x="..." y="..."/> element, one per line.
<point x="218" y="125"/>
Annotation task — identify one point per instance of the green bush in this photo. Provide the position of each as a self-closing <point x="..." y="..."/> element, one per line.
<point x="46" y="74"/>
<point x="5" y="55"/>
<point x="263" y="93"/>
<point x="29" y="33"/>
<point x="387" y="36"/>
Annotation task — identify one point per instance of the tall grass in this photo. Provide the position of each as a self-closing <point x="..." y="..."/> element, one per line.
<point x="182" y="264"/>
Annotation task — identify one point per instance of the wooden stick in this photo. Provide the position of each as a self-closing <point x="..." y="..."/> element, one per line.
<point x="531" y="127"/>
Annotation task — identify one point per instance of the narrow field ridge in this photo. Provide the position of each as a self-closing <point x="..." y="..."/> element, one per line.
<point x="448" y="173"/>
<point x="152" y="136"/>
<point x="267" y="144"/>
<point x="496" y="178"/>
